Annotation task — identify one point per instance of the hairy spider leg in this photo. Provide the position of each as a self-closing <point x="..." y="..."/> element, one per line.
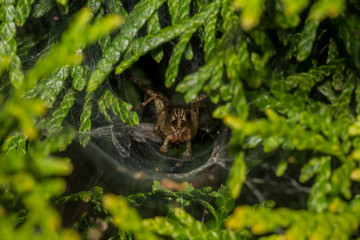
<point x="139" y="83"/>
<point x="187" y="153"/>
<point x="198" y="104"/>
<point x="153" y="95"/>
<point x="161" y="116"/>
<point x="202" y="105"/>
<point x="143" y="104"/>
<point x="164" y="147"/>
<point x="201" y="97"/>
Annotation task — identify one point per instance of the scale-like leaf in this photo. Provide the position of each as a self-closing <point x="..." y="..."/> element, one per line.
<point x="192" y="84"/>
<point x="348" y="28"/>
<point x="79" y="75"/>
<point x="326" y="8"/>
<point x="117" y="8"/>
<point x="173" y="68"/>
<point x="210" y="40"/>
<point x="237" y="176"/>
<point x="57" y="118"/>
<point x="42" y="7"/>
<point x="53" y="85"/>
<point x="85" y="121"/>
<point x="251" y="12"/>
<point x="121" y="109"/>
<point x="23" y="8"/>
<point x="94" y="5"/>
<point x="153" y="27"/>
<point x="307" y="38"/>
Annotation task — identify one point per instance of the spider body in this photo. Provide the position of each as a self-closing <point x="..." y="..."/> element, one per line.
<point x="178" y="127"/>
<point x="177" y="124"/>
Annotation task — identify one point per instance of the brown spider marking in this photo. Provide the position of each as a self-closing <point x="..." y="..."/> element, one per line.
<point x="177" y="124"/>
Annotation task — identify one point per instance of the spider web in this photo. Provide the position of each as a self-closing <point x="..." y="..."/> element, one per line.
<point x="125" y="154"/>
<point x="128" y="150"/>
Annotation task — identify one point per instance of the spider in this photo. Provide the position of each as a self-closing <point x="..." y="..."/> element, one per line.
<point x="177" y="124"/>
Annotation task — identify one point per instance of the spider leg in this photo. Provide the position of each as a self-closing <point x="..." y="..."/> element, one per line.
<point x="153" y="96"/>
<point x="201" y="97"/>
<point x="196" y="105"/>
<point x="161" y="116"/>
<point x="187" y="153"/>
<point x="139" y="83"/>
<point x="164" y="147"/>
<point x="202" y="105"/>
<point x="189" y="134"/>
<point x="143" y="104"/>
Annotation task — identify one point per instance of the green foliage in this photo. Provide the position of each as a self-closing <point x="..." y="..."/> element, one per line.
<point x="307" y="39"/>
<point x="297" y="224"/>
<point x="143" y="45"/>
<point x="57" y="118"/>
<point x="283" y="76"/>
<point x="85" y="121"/>
<point x="121" y="109"/>
<point x="251" y="12"/>
<point x="28" y="180"/>
<point x="94" y="197"/>
<point x="30" y="177"/>
<point x="237" y="175"/>
<point x="177" y="224"/>
<point x="136" y="19"/>
<point x="79" y="75"/>
<point x="153" y="27"/>
<point x="126" y="217"/>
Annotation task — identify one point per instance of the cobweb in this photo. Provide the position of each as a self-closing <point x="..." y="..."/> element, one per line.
<point x="129" y="150"/>
<point x="126" y="156"/>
